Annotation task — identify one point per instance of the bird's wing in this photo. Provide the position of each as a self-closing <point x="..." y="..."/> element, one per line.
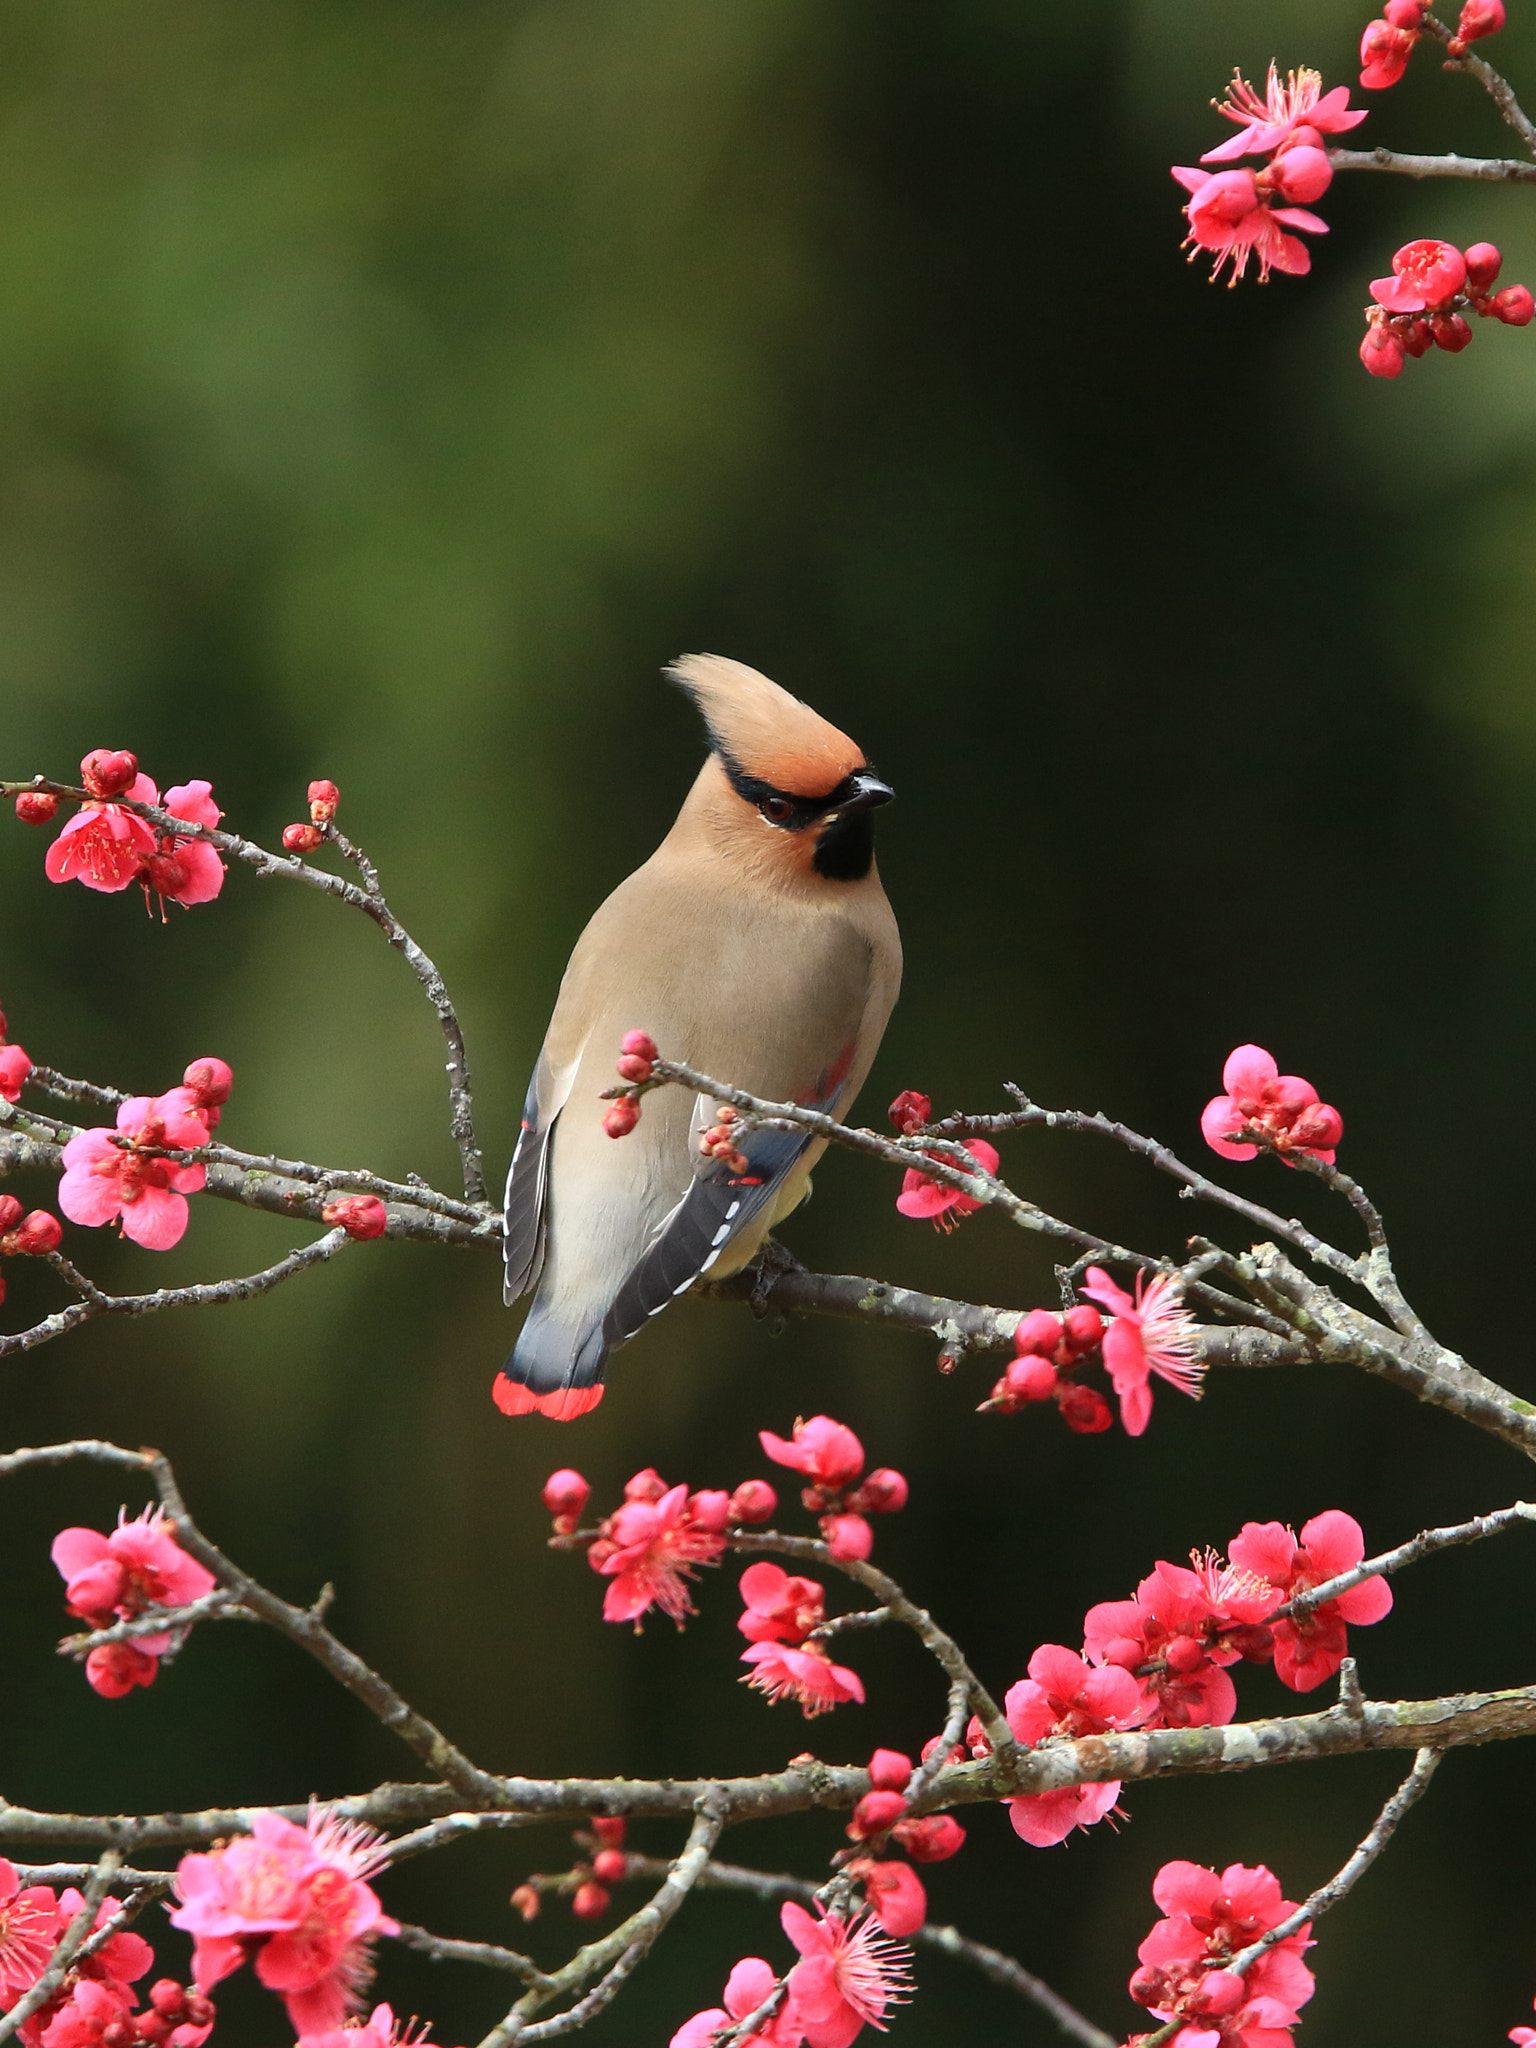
<point x="717" y="1207"/>
<point x="523" y="1212"/>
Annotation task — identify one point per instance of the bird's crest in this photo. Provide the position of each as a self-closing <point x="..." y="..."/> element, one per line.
<point x="763" y="730"/>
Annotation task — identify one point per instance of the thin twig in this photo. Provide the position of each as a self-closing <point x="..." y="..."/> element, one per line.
<point x="1343" y="1882"/>
<point x="215" y="1606"/>
<point x="371" y="901"/>
<point x="1423" y="1545"/>
<point x="1500" y="170"/>
<point x="616" y="1953"/>
<point x="1497" y="87"/>
<point x="442" y="1950"/>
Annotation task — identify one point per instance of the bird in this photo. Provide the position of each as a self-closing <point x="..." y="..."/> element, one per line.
<point x="756" y="945"/>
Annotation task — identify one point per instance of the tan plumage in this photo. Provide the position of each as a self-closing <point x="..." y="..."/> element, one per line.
<point x="757" y="944"/>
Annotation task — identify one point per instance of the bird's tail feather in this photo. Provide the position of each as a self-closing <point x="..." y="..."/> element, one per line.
<point x="555" y="1370"/>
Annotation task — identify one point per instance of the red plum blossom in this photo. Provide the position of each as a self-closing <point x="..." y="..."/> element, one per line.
<point x="1064" y="1696"/>
<point x="922" y="1196"/>
<point x="1283" y="1107"/>
<point x="849" y="1975"/>
<point x="750" y="1985"/>
<point x="649" y="1547"/>
<point x="784" y="1672"/>
<point x="1310" y="1648"/>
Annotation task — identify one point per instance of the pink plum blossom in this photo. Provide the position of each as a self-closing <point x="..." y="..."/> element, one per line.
<point x="1150" y="1333"/>
<point x="299" y="1896"/>
<point x="1311" y="1647"/>
<point x="29" y="1927"/>
<point x="103" y="845"/>
<point x="187" y="870"/>
<point x="648" y="1549"/>
<point x="749" y="1985"/>
<point x="1424" y="275"/>
<point x="104" y="1178"/>
<point x="1064" y="1697"/>
<point x="1210" y="1919"/>
<point x="1270" y="123"/>
<point x="1283" y="1106"/>
<point x="380" y="2030"/>
<point x="780" y="1607"/>
<point x="1230" y="216"/>
<point x="848" y="1977"/>
<point x="924" y="1197"/>
<point x="805" y="1674"/>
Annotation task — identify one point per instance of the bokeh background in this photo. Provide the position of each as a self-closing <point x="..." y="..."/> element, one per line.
<point x="386" y="391"/>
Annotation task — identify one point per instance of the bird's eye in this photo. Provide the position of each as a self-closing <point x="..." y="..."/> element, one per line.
<point x="778" y="810"/>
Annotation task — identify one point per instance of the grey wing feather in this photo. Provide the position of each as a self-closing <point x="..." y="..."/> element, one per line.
<point x="715" y="1208"/>
<point x="523" y="1215"/>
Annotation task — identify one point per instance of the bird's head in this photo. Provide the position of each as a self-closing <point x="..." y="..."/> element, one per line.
<point x="793" y="792"/>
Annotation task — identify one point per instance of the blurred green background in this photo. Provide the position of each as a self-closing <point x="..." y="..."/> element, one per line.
<point x="386" y="392"/>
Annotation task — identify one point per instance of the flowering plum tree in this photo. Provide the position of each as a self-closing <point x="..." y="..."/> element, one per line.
<point x="1153" y="1685"/>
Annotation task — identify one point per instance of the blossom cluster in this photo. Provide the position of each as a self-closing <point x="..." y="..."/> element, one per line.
<point x="96" y="2003"/>
<point x="107" y="846"/>
<point x="295" y="1901"/>
<point x="1233" y="215"/>
<point x="27" y="1234"/>
<point x="1388" y="42"/>
<point x="1185" y="1973"/>
<point x="137" y="1568"/>
<point x="848" y="1977"/>
<point x="1265" y="1110"/>
<point x="1162" y="1658"/>
<point x="1424" y="303"/>
<point x="124" y="1172"/>
<point x="1148" y="1332"/>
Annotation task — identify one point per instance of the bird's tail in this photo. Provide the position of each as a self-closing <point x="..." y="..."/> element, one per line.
<point x="556" y="1369"/>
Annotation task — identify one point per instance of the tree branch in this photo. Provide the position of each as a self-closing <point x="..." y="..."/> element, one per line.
<point x="1496" y="170"/>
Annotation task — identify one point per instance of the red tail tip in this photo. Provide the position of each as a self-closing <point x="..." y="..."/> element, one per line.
<point x="563" y="1406"/>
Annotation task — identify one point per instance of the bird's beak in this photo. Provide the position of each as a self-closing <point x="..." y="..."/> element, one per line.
<point x="868" y="791"/>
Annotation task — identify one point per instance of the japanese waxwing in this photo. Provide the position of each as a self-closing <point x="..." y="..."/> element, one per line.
<point x="756" y="944"/>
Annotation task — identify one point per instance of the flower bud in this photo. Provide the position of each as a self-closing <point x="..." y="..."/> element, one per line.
<point x="590" y="1902"/>
<point x="14" y="1069"/>
<point x="210" y="1081"/>
<point x="848" y="1536"/>
<point x="1222" y="1991"/>
<point x="632" y="1068"/>
<point x="302" y="838"/>
<point x="876" y="1814"/>
<point x="323" y="799"/>
<point x="1029" y="1379"/>
<point x="754" y="1501"/>
<point x="360" y="1216"/>
<point x="910" y="1111"/>
<point x="609" y="1829"/>
<point x="1479" y="18"/>
<point x="889" y="1770"/>
<point x="1407" y="14"/>
<point x="199" y="2010"/>
<point x="881" y="1492"/>
<point x="1082" y="1329"/>
<point x="1381" y="351"/>
<point x="1417" y="338"/>
<point x="1483" y="261"/>
<point x="1039" y="1333"/>
<point x="709" y="1510"/>
<point x="1514" y="305"/>
<point x="526" y="1900"/>
<point x="1301" y="174"/>
<point x="10" y="1214"/>
<point x="1452" y="334"/>
<point x="620" y="1117"/>
<point x="119" y="2034"/>
<point x="36" y="1234"/>
<point x="167" y="1997"/>
<point x="565" y="1493"/>
<point x="106" y="774"/>
<point x="933" y="1839"/>
<point x="1129" y="1652"/>
<point x="36" y="806"/>
<point x="639" y="1044"/>
<point x="609" y="1865"/>
<point x="1147" y="1987"/>
<point x="647" y="1486"/>
<point x="1184" y="1655"/>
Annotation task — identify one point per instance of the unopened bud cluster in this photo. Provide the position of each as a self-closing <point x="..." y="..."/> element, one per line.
<point x="360" y="1216"/>
<point x="323" y="799"/>
<point x="1424" y="303"/>
<point x="637" y="1055"/>
<point x="719" y="1140"/>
